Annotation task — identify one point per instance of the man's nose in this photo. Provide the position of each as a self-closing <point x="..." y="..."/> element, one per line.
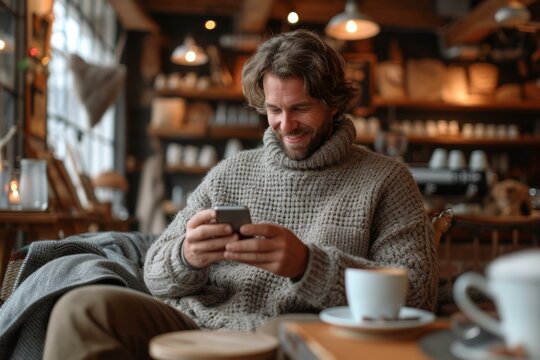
<point x="288" y="124"/>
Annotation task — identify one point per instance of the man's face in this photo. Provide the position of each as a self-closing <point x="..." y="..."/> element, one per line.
<point x="301" y="123"/>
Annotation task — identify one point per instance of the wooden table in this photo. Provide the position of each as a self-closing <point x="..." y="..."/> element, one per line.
<point x="318" y="340"/>
<point x="50" y="226"/>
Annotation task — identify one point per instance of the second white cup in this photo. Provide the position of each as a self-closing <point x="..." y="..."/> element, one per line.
<point x="478" y="161"/>
<point x="438" y="159"/>
<point x="513" y="283"/>
<point x="456" y="160"/>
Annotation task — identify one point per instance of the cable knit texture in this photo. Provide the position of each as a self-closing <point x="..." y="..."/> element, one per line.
<point x="349" y="205"/>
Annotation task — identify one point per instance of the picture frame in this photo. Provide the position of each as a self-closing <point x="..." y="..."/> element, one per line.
<point x="40" y="33"/>
<point x="360" y="69"/>
<point x="39" y="29"/>
<point x="36" y="109"/>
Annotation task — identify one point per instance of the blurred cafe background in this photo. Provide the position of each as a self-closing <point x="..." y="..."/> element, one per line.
<point x="112" y="111"/>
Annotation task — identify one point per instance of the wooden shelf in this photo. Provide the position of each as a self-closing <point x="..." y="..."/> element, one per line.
<point x="208" y="133"/>
<point x="525" y="140"/>
<point x="480" y="105"/>
<point x="242" y="132"/>
<point x="214" y="93"/>
<point x="185" y="169"/>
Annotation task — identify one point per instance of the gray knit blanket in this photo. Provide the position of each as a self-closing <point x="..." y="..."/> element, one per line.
<point x="51" y="268"/>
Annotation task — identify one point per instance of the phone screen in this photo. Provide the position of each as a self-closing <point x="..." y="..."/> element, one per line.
<point x="235" y="215"/>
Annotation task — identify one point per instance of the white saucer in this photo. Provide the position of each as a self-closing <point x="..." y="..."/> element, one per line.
<point x="484" y="352"/>
<point x="341" y="316"/>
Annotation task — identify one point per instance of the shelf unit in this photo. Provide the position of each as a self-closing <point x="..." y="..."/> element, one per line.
<point x="478" y="105"/>
<point x="189" y="176"/>
<point x="207" y="133"/>
<point x="230" y="93"/>
<point x="514" y="157"/>
<point x="524" y="140"/>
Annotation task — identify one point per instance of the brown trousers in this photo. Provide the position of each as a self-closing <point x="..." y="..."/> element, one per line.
<point x="112" y="322"/>
<point x="108" y="322"/>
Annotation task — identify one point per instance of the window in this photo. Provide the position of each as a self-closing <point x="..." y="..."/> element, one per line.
<point x="87" y="29"/>
<point x="8" y="54"/>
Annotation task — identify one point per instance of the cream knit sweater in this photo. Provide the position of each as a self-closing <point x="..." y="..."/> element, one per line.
<point x="347" y="204"/>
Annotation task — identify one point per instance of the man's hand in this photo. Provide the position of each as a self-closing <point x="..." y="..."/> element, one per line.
<point x="205" y="240"/>
<point x="279" y="251"/>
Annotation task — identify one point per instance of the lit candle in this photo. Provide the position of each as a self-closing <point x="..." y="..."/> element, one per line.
<point x="14" y="197"/>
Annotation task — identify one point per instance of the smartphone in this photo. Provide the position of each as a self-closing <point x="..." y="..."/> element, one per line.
<point x="235" y="215"/>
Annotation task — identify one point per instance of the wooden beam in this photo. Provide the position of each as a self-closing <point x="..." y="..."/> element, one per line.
<point x="133" y="17"/>
<point x="254" y="15"/>
<point x="193" y="7"/>
<point x="478" y="24"/>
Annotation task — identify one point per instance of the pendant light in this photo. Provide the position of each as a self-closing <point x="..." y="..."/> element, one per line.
<point x="189" y="53"/>
<point x="351" y="24"/>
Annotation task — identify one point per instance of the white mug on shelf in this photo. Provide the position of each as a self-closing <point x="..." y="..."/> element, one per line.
<point x="456" y="160"/>
<point x="467" y="130"/>
<point x="478" y="161"/>
<point x="174" y="154"/>
<point x="438" y="159"/>
<point x="207" y="156"/>
<point x="232" y="147"/>
<point x="191" y="153"/>
<point x="513" y="131"/>
<point x="479" y="130"/>
<point x="502" y="131"/>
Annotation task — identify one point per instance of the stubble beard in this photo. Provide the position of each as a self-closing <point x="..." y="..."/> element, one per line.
<point x="317" y="139"/>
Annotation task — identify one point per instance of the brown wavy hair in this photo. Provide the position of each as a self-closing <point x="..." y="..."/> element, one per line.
<point x="304" y="54"/>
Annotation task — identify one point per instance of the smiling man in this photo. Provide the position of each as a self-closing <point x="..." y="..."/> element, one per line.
<point x="319" y="204"/>
<point x="300" y="122"/>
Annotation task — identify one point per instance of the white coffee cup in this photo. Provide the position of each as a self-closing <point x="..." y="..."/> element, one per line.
<point x="207" y="156"/>
<point x="233" y="147"/>
<point x="479" y="130"/>
<point x="456" y="160"/>
<point x="513" y="282"/>
<point x="467" y="131"/>
<point x="173" y="155"/>
<point x="438" y="159"/>
<point x="478" y="161"/>
<point x="190" y="155"/>
<point x="377" y="293"/>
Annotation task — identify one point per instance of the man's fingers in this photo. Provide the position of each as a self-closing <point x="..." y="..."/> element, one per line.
<point x="200" y="218"/>
<point x="261" y="229"/>
<point x="208" y="231"/>
<point x="252" y="245"/>
<point x="212" y="245"/>
<point x="252" y="257"/>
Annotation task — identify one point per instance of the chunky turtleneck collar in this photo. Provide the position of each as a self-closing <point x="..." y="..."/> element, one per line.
<point x="332" y="151"/>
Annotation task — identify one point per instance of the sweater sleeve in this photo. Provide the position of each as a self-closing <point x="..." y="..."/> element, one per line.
<point x="400" y="236"/>
<point x="165" y="272"/>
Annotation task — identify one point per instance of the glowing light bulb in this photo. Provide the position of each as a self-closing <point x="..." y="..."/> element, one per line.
<point x="293" y="17"/>
<point x="351" y="26"/>
<point x="210" y="24"/>
<point x="2" y="44"/>
<point x="191" y="56"/>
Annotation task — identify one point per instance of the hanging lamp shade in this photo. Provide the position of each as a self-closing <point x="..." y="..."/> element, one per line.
<point x="189" y="53"/>
<point x="351" y="24"/>
<point x="512" y="14"/>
